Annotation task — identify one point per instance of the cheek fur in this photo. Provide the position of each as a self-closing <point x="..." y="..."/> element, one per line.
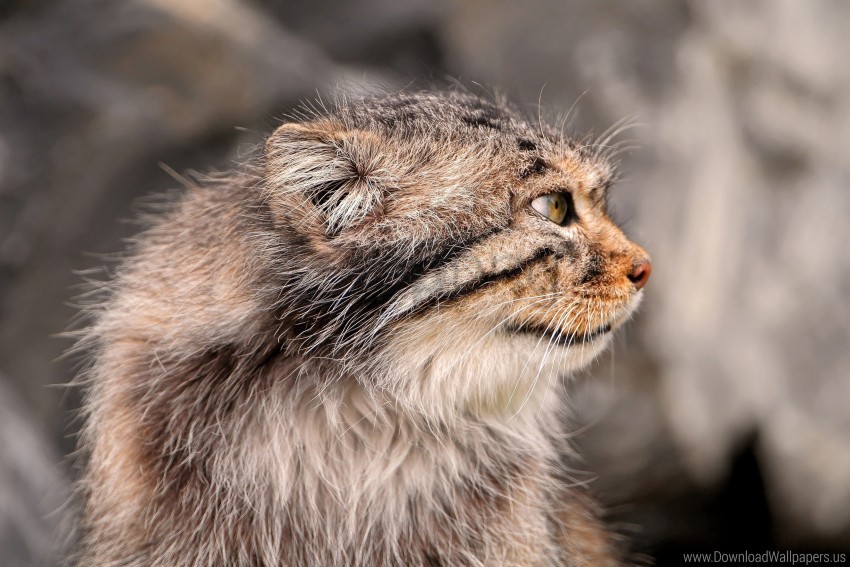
<point x="451" y="361"/>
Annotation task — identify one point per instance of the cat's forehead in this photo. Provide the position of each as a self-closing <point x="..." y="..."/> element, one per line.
<point x="441" y="113"/>
<point x="528" y="148"/>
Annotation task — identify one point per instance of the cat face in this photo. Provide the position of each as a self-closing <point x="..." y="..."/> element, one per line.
<point x="447" y="249"/>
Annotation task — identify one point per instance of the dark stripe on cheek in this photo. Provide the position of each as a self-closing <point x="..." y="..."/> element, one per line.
<point x="541" y="254"/>
<point x="446" y="256"/>
<point x="417" y="270"/>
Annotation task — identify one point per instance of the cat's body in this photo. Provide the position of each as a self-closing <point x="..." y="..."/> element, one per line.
<point x="350" y="355"/>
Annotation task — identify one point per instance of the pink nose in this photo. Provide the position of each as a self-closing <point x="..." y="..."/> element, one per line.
<point x="640" y="273"/>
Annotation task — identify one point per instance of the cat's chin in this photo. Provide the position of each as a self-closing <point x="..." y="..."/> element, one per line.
<point x="593" y="340"/>
<point x="568" y="352"/>
<point x="561" y="338"/>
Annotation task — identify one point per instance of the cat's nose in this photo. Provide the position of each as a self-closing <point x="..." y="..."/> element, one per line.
<point x="640" y="272"/>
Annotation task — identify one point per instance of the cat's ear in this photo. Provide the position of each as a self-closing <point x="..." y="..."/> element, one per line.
<point x="325" y="175"/>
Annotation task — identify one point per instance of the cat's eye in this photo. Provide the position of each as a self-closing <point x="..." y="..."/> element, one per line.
<point x="553" y="206"/>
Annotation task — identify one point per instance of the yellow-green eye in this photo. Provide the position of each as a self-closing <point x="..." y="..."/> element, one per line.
<point x="553" y="206"/>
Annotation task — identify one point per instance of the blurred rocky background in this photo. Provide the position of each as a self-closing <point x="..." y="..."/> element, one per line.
<point x="722" y="418"/>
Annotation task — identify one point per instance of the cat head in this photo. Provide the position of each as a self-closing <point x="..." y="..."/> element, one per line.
<point x="444" y="248"/>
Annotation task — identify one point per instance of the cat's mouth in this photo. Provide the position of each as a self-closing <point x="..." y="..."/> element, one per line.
<point x="563" y="338"/>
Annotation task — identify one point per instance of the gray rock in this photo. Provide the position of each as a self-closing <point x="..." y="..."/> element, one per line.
<point x="752" y="321"/>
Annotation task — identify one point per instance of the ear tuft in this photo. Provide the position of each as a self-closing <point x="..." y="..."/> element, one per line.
<point x="328" y="170"/>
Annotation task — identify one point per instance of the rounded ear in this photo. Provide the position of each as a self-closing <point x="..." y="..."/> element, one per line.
<point x="329" y="176"/>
